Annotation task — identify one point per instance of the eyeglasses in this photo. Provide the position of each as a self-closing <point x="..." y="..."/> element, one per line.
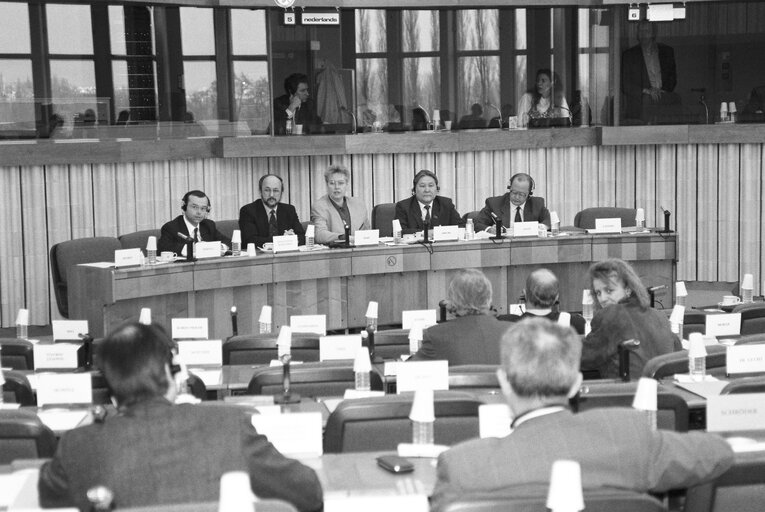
<point x="518" y="194"/>
<point x="339" y="183"/>
<point x="198" y="208"/>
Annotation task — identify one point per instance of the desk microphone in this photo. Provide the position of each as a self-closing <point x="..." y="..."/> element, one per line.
<point x="624" y="348"/>
<point x="442" y="311"/>
<point x="286" y="397"/>
<point x="189" y="245"/>
<point x="87" y="343"/>
<point x="498" y="227"/>
<point x="425" y="227"/>
<point x="347" y="229"/>
<point x="234" y="326"/>
<point x="667" y="213"/>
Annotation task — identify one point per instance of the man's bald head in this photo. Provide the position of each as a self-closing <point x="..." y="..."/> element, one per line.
<point x="541" y="289"/>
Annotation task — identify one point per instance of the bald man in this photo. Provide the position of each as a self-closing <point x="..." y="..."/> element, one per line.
<point x="517" y="205"/>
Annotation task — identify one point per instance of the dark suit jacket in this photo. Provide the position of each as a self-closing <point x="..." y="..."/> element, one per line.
<point x="614" y="446"/>
<point x="305" y="115"/>
<point x="169" y="241"/>
<point x="156" y="453"/>
<point x="442" y="213"/>
<point x="471" y="339"/>
<point x="533" y="210"/>
<point x="635" y="76"/>
<point x="253" y="222"/>
<point x="577" y="321"/>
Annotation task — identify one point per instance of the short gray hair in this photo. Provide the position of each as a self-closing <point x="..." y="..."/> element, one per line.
<point x="337" y="169"/>
<point x="469" y="293"/>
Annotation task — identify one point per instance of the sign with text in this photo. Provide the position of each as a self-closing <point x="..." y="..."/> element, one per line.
<point x="366" y="237"/>
<point x="446" y="233"/>
<point x="526" y="229"/>
<point x="422" y="375"/>
<point x="293" y="434"/>
<point x="128" y="257"/>
<point x="201" y="352"/>
<point x="418" y="318"/>
<point x="608" y="225"/>
<point x="59" y="356"/>
<point x="285" y="243"/>
<point x="723" y="324"/>
<point x="313" y="324"/>
<point x="333" y="348"/>
<point x="207" y="250"/>
<point x="69" y="330"/>
<point x="736" y="412"/>
<point x="320" y="18"/>
<point x="745" y="359"/>
<point x="189" y="328"/>
<point x="64" y="388"/>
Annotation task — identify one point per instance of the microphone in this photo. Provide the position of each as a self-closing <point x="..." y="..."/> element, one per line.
<point x="498" y="227"/>
<point x="624" y="348"/>
<point x="87" y="343"/>
<point x="667" y="213"/>
<point x="183" y="237"/>
<point x="189" y="245"/>
<point x="370" y="344"/>
<point x="347" y="229"/>
<point x="343" y="108"/>
<point x="652" y="292"/>
<point x="442" y="311"/>
<point x="286" y="397"/>
<point x="234" y="327"/>
<point x="425" y="227"/>
<point x="499" y="113"/>
<point x="427" y="116"/>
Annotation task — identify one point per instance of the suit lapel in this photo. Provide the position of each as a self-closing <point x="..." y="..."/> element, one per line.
<point x="415" y="212"/>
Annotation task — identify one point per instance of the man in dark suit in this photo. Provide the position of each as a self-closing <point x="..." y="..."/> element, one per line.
<point x="616" y="448"/>
<point x="426" y="206"/>
<point x="193" y="223"/>
<point x="267" y="217"/>
<point x="517" y="205"/>
<point x="295" y="105"/>
<point x="155" y="452"/>
<point x="473" y="336"/>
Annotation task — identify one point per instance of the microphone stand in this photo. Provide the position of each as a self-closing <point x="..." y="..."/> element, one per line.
<point x="87" y="343"/>
<point x="442" y="311"/>
<point x="499" y="113"/>
<point x="287" y="397"/>
<point x="667" y="213"/>
<point x="375" y="359"/>
<point x="234" y="323"/>
<point x="624" y="348"/>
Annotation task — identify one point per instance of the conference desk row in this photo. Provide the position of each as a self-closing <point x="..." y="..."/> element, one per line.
<point x="339" y="283"/>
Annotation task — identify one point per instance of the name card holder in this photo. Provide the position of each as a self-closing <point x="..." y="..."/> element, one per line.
<point x="64" y="389"/>
<point x="724" y="324"/>
<point x="69" y="330"/>
<point x="189" y="328"/>
<point x="201" y="352"/>
<point x="422" y="375"/>
<point x="128" y="258"/>
<point x="285" y="243"/>
<point x="446" y="233"/>
<point x="525" y="229"/>
<point x="204" y="250"/>
<point x="613" y="225"/>
<point x="293" y="434"/>
<point x="418" y="318"/>
<point x="312" y="324"/>
<point x="366" y="237"/>
<point x="744" y="359"/>
<point x="343" y="347"/>
<point x="338" y="502"/>
<point x="736" y="412"/>
<point x="58" y="356"/>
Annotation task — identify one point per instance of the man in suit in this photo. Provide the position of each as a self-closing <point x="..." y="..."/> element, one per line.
<point x="426" y="206"/>
<point x="473" y="336"/>
<point x="295" y="105"/>
<point x="335" y="210"/>
<point x="155" y="452"/>
<point x="193" y="223"/>
<point x="616" y="447"/>
<point x="517" y="205"/>
<point x="267" y="217"/>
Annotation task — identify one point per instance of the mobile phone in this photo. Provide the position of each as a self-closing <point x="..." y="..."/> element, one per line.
<point x="395" y="464"/>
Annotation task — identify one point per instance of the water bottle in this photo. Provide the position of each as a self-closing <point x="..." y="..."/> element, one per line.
<point x="310" y="240"/>
<point x="680" y="300"/>
<point x="555" y="228"/>
<point x="422" y="432"/>
<point x="151" y="256"/>
<point x="362" y="381"/>
<point x="397" y="236"/>
<point x="22" y="331"/>
<point x="469" y="230"/>
<point x="288" y="127"/>
<point x="236" y="249"/>
<point x="697" y="366"/>
<point x="747" y="295"/>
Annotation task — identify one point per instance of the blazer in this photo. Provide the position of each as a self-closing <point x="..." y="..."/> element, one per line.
<point x="329" y="225"/>
<point x="159" y="453"/>
<point x="305" y="115"/>
<point x="533" y="210"/>
<point x="253" y="223"/>
<point x="577" y="320"/>
<point x="615" y="447"/>
<point x="169" y="241"/>
<point x="471" y="339"/>
<point x="635" y="76"/>
<point x="442" y="213"/>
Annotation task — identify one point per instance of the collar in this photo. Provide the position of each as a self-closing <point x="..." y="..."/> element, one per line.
<point x="536" y="413"/>
<point x="539" y="312"/>
<point x="268" y="210"/>
<point x="147" y="407"/>
<point x="332" y="201"/>
<point x="423" y="205"/>
<point x="190" y="227"/>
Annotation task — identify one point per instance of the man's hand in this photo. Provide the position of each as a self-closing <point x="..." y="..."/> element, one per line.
<point x="654" y="92"/>
<point x="289" y="232"/>
<point x="294" y="103"/>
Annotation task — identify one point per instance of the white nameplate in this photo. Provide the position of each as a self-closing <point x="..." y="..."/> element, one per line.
<point x="296" y="434"/>
<point x="366" y="237"/>
<point x="745" y="359"/>
<point x="312" y="324"/>
<point x="422" y="375"/>
<point x="727" y="324"/>
<point x="189" y="328"/>
<point x="418" y="318"/>
<point x="201" y="352"/>
<point x="339" y="347"/>
<point x="494" y="420"/>
<point x="285" y="243"/>
<point x="445" y="233"/>
<point x="207" y="250"/>
<point x="377" y="502"/>
<point x="608" y="225"/>
<point x="128" y="257"/>
<point x="736" y="412"/>
<point x="526" y="229"/>
<point x="69" y="330"/>
<point x="516" y="309"/>
<point x="355" y="393"/>
<point x="59" y="356"/>
<point x="64" y="388"/>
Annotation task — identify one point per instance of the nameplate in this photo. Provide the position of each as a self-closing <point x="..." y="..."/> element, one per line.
<point x="745" y="359"/>
<point x="375" y="502"/>
<point x="64" y="388"/>
<point x="332" y="348"/>
<point x="207" y="250"/>
<point x="128" y="257"/>
<point x="736" y="412"/>
<point x="494" y="420"/>
<point x="728" y="324"/>
<point x="59" y="356"/>
<point x="525" y="229"/>
<point x="69" y="330"/>
<point x="296" y="434"/>
<point x="608" y="225"/>
<point x="366" y="237"/>
<point x="201" y="352"/>
<point x="189" y="328"/>
<point x="516" y="309"/>
<point x="313" y="324"/>
<point x="422" y="375"/>
<point x="418" y="318"/>
<point x="350" y="394"/>
<point x="285" y="243"/>
<point x="446" y="233"/>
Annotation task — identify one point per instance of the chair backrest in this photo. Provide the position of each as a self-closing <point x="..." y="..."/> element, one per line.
<point x="227" y="227"/>
<point x="470" y="215"/>
<point x="752" y="317"/>
<point x="24" y="436"/>
<point x="473" y="376"/>
<point x="751" y="339"/>
<point x="264" y="505"/>
<point x="17" y="389"/>
<point x="381" y="423"/>
<point x="16" y="354"/>
<point x="330" y="378"/>
<point x="138" y="239"/>
<point x="740" y="489"/>
<point x="745" y="385"/>
<point x="65" y="255"/>
<point x="382" y="217"/>
<point x="392" y="343"/>
<point x="586" y="218"/>
<point x="261" y="348"/>
<point x="694" y="321"/>
<point x="667" y="365"/>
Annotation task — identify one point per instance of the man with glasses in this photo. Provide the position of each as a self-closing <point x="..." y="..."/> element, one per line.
<point x="267" y="217"/>
<point x="193" y="223"/>
<point x="335" y="210"/>
<point x="517" y="205"/>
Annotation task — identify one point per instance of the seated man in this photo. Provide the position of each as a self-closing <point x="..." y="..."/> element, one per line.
<point x="154" y="452"/>
<point x="541" y="295"/>
<point x="616" y="447"/>
<point x="193" y="223"/>
<point x="335" y="210"/>
<point x="473" y="336"/>
<point x="426" y="206"/>
<point x="267" y="217"/>
<point x="295" y="105"/>
<point x="517" y="205"/>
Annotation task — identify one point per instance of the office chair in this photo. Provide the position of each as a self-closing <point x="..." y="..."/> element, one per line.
<point x="24" y="436"/>
<point x="382" y="218"/>
<point x="17" y="354"/>
<point x="740" y="489"/>
<point x="138" y="239"/>
<point x="269" y="505"/>
<point x="752" y="317"/>
<point x="261" y="348"/>
<point x="329" y="378"/>
<point x="694" y="321"/>
<point x="585" y="219"/>
<point x="17" y="388"/>
<point x="751" y="339"/>
<point x="470" y="215"/>
<point x="745" y="385"/>
<point x="473" y="376"/>
<point x="392" y="343"/>
<point x="667" y="365"/>
<point x="227" y="227"/>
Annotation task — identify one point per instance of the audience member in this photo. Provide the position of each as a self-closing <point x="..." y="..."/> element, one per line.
<point x="193" y="223"/>
<point x="474" y="120"/>
<point x="154" y="452"/>
<point x="622" y="313"/>
<point x="296" y="105"/>
<point x="426" y="206"/>
<point x="267" y="217"/>
<point x="517" y="205"/>
<point x="615" y="447"/>
<point x="473" y="336"/>
<point x="545" y="100"/>
<point x="335" y="210"/>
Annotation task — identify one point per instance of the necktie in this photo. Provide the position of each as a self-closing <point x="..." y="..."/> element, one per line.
<point x="196" y="234"/>
<point x="518" y="214"/>
<point x="273" y="228"/>
<point x="427" y="214"/>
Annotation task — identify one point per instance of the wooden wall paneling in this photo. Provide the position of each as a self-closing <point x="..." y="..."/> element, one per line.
<point x="299" y="191"/>
<point x="606" y="171"/>
<point x="686" y="211"/>
<point x="483" y="180"/>
<point x="362" y="181"/>
<point x="179" y="183"/>
<point x="645" y="182"/>
<point x="449" y="177"/>
<point x="708" y="204"/>
<point x="625" y="177"/>
<point x="383" y="178"/>
<point x="81" y="200"/>
<point x="666" y="192"/>
<point x="12" y="247"/>
<point x="750" y="213"/>
<point x="38" y="238"/>
<point x="403" y="173"/>
<point x="220" y="187"/>
<point x="728" y="213"/>
<point x="105" y="199"/>
<point x="564" y="183"/>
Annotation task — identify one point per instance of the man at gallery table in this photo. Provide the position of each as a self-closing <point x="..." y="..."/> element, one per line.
<point x="517" y="205"/>
<point x="193" y="223"/>
<point x="267" y="217"/>
<point x="335" y="210"/>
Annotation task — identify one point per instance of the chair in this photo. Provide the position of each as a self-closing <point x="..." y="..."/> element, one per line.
<point x="392" y="343"/>
<point x="694" y="321"/>
<point x="740" y="489"/>
<point x="470" y="215"/>
<point x="330" y="378"/>
<point x="750" y="339"/>
<point x="667" y="365"/>
<point x="261" y="348"/>
<point x="17" y="386"/>
<point x="745" y="385"/>
<point x="17" y="354"/>
<point x="585" y="219"/>
<point x="24" y="436"/>
<point x="473" y="376"/>
<point x="752" y="317"/>
<point x="227" y="227"/>
<point x="382" y="218"/>
<point x="138" y="239"/>
<point x="269" y="505"/>
<point x="65" y="255"/>
<point x="381" y="423"/>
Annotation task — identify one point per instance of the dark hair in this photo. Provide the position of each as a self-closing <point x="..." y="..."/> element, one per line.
<point x="542" y="288"/>
<point x="614" y="268"/>
<point x="263" y="178"/>
<point x="292" y="82"/>
<point x="556" y="97"/>
<point x="422" y="174"/>
<point x="195" y="193"/>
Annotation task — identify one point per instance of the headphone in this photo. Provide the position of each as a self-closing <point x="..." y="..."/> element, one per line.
<point x="262" y="179"/>
<point x="195" y="193"/>
<point x="422" y="174"/>
<point x="520" y="175"/>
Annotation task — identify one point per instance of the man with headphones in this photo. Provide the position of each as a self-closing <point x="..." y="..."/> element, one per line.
<point x="296" y="105"/>
<point x="426" y="206"/>
<point x="517" y="205"/>
<point x="267" y="217"/>
<point x="193" y="223"/>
